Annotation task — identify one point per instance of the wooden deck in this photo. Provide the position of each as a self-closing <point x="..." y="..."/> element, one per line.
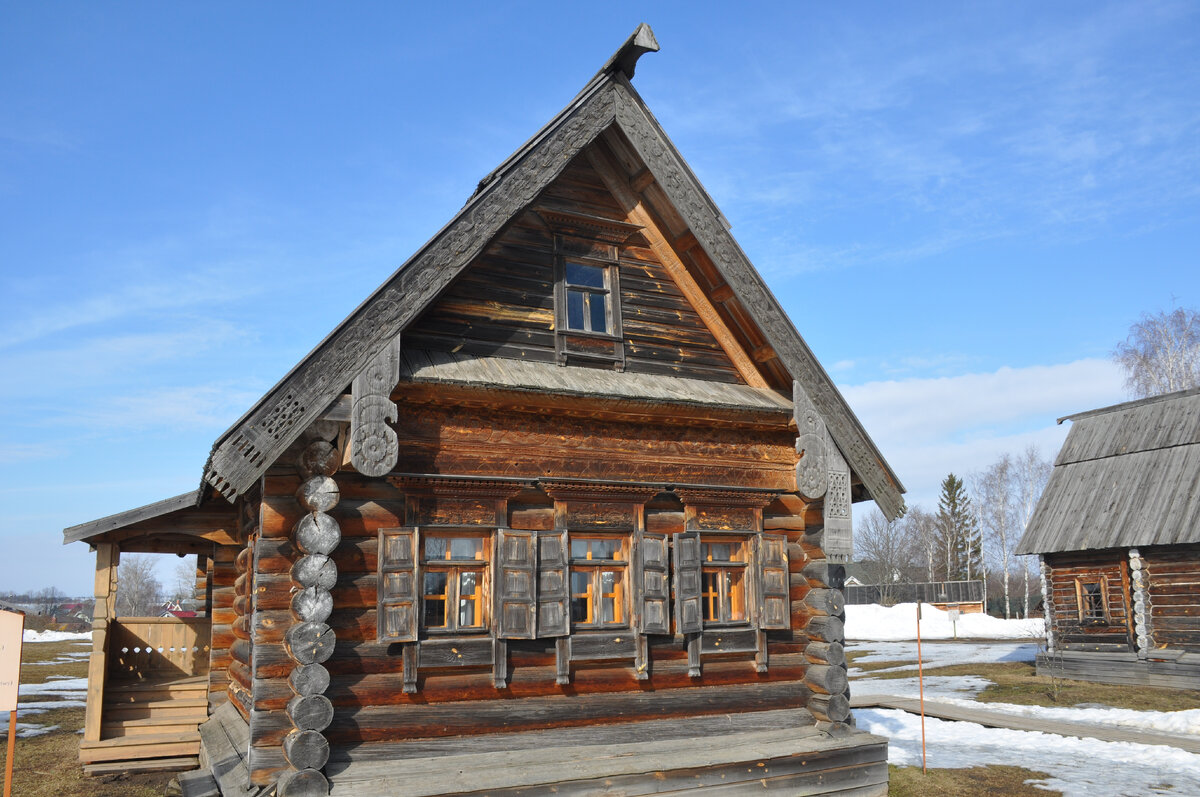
<point x="774" y="751"/>
<point x="148" y="725"/>
<point x="997" y="719"/>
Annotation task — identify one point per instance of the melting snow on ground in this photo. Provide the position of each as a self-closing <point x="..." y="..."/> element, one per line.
<point x="53" y="636"/>
<point x="900" y="622"/>
<point x="1130" y="769"/>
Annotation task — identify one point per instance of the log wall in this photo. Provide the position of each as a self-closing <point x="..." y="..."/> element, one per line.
<point x="456" y="690"/>
<point x="1067" y="572"/>
<point x="1173" y="591"/>
<point x="224" y="577"/>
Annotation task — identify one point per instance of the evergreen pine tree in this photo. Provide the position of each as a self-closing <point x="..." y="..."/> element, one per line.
<point x="959" y="538"/>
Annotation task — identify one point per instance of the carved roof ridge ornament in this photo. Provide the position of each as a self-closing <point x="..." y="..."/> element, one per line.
<point x="625" y="59"/>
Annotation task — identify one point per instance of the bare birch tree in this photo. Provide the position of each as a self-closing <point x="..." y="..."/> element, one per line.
<point x="994" y="488"/>
<point x="923" y="530"/>
<point x="138" y="591"/>
<point x="885" y="550"/>
<point x="1031" y="474"/>
<point x="1162" y="353"/>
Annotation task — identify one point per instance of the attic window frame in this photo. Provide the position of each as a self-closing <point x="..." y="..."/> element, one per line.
<point x="582" y="346"/>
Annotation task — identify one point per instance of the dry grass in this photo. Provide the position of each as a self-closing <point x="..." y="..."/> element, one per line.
<point x="1019" y="683"/>
<point x="48" y="765"/>
<point x="1009" y="781"/>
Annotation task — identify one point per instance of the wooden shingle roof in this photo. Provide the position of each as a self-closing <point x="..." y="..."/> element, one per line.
<point x="1127" y="475"/>
<point x="607" y="102"/>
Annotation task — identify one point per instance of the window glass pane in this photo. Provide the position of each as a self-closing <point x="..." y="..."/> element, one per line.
<point x="579" y="548"/>
<point x="581" y="596"/>
<point x="587" y="276"/>
<point x="575" y="309"/>
<point x="610" y="598"/>
<point x="710" y="596"/>
<point x="435" y="548"/>
<point x="466" y="548"/>
<point x="718" y="551"/>
<point x="435" y="600"/>
<point x="735" y="594"/>
<point x="596" y="306"/>
<point x="468" y="599"/>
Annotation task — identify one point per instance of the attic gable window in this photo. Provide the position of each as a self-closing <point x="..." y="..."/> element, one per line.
<point x="589" y="300"/>
<point x="587" y="290"/>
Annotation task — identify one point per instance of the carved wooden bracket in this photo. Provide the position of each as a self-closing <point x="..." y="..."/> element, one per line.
<point x="839" y="528"/>
<point x="374" y="447"/>
<point x="585" y="491"/>
<point x="713" y="496"/>
<point x="812" y="472"/>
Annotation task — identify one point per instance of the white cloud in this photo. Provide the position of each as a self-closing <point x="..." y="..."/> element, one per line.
<point x="927" y="428"/>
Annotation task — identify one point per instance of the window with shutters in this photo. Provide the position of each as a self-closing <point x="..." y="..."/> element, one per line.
<point x="599" y="567"/>
<point x="454" y="578"/>
<point x="723" y="580"/>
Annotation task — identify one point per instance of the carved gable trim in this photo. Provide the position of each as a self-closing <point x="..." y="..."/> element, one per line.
<point x="249" y="447"/>
<point x="696" y="209"/>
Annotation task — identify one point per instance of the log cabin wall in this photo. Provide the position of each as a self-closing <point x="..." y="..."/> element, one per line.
<point x="1090" y="591"/>
<point x="222" y="615"/>
<point x="503" y="304"/>
<point x="379" y="693"/>
<point x="1173" y="591"/>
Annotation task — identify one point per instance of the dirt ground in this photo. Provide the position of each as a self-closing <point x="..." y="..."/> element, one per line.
<point x="47" y="765"/>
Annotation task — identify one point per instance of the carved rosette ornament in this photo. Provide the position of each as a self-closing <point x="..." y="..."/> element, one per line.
<point x="310" y="641"/>
<point x="812" y="471"/>
<point x="373" y="443"/>
<point x="1138" y="577"/>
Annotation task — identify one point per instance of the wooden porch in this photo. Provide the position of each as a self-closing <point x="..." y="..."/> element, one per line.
<point x="147" y="694"/>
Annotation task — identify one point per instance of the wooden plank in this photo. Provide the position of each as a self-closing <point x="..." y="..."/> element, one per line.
<point x="1026" y="722"/>
<point x="642" y="767"/>
<point x="107" y="561"/>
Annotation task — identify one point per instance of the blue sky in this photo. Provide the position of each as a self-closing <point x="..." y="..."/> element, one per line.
<point x="962" y="206"/>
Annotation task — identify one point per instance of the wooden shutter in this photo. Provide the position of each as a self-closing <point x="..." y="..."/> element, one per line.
<point x="688" y="616"/>
<point x="398" y="585"/>
<point x="552" y="587"/>
<point x="656" y="591"/>
<point x="515" y="611"/>
<point x="774" y="603"/>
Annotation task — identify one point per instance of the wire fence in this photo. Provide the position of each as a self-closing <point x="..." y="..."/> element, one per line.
<point x="927" y="592"/>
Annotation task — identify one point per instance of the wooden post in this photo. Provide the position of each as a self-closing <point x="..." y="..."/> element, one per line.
<point x="108" y="557"/>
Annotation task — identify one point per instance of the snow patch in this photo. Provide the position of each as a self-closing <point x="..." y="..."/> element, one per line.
<point x="900" y="622"/>
<point x="53" y="636"/>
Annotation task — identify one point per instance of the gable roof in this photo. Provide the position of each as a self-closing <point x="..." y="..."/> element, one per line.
<point x="608" y="100"/>
<point x="1127" y="475"/>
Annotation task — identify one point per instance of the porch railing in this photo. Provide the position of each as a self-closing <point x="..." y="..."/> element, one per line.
<point x="159" y="647"/>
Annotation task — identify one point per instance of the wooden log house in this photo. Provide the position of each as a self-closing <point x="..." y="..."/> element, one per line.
<point x="563" y="505"/>
<point x="1118" y="533"/>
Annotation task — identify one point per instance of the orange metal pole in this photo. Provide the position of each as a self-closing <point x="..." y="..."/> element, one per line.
<point x="12" y="749"/>
<point x="921" y="683"/>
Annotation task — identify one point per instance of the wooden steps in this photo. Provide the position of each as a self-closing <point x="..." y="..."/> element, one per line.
<point x="147" y="726"/>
